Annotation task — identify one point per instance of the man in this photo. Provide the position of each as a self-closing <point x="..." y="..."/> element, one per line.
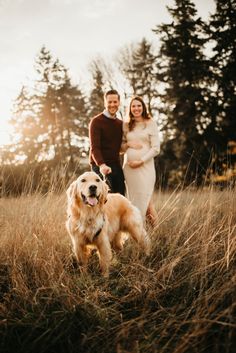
<point x="105" y="135"/>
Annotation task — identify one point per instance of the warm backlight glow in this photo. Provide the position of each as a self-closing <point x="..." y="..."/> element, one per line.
<point x="5" y="132"/>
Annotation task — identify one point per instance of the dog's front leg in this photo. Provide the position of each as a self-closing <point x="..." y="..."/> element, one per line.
<point x="105" y="254"/>
<point x="82" y="253"/>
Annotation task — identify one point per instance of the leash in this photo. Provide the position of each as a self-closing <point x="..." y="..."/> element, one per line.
<point x="106" y="179"/>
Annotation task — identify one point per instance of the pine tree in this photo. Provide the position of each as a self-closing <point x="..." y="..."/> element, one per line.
<point x="184" y="72"/>
<point x="27" y="128"/>
<point x="73" y="120"/>
<point x="51" y="78"/>
<point x="51" y="121"/>
<point x="222" y="33"/>
<point x="138" y="64"/>
<point x="96" y="98"/>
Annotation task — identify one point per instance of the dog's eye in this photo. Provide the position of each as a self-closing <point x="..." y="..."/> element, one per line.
<point x="97" y="180"/>
<point x="83" y="180"/>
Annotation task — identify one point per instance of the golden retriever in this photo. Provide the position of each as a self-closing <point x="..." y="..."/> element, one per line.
<point x="99" y="219"/>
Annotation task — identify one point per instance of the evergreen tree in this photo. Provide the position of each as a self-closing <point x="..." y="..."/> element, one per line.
<point x="52" y="121"/>
<point x="51" y="78"/>
<point x="96" y="98"/>
<point x="222" y="33"/>
<point x="184" y="72"/>
<point x="138" y="64"/>
<point x="73" y="120"/>
<point x="27" y="128"/>
<point x="126" y="66"/>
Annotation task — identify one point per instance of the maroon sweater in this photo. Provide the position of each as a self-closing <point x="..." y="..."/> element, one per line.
<point x="105" y="136"/>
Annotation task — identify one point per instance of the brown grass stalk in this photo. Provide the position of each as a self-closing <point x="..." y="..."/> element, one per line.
<point x="180" y="299"/>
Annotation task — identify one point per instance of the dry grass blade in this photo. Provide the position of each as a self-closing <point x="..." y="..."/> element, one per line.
<point x="180" y="299"/>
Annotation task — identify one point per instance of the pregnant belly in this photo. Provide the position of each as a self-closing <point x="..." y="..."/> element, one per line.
<point x="133" y="154"/>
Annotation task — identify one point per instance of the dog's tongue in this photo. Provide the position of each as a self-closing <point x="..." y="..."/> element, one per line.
<point x="92" y="201"/>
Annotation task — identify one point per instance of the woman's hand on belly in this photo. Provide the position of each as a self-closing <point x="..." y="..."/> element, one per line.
<point x="135" y="164"/>
<point x="135" y="145"/>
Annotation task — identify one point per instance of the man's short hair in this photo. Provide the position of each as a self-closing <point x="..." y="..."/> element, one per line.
<point x="111" y="91"/>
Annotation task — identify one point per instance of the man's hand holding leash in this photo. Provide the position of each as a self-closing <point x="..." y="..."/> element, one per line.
<point x="104" y="169"/>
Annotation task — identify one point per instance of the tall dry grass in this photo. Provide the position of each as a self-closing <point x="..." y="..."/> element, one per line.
<point x="180" y="299"/>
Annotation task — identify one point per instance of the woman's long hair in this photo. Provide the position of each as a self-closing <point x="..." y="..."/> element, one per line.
<point x="145" y="113"/>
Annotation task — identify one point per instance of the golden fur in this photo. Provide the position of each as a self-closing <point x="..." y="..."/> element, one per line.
<point x="97" y="219"/>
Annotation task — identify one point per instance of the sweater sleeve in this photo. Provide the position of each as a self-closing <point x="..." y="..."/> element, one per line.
<point x="95" y="141"/>
<point x="154" y="142"/>
<point x="124" y="139"/>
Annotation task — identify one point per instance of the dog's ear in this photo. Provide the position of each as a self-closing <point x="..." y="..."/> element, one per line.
<point x="71" y="192"/>
<point x="105" y="188"/>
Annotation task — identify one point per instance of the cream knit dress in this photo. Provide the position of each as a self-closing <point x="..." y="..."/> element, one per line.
<point x="140" y="181"/>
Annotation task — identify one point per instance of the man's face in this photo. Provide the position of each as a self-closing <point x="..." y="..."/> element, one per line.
<point x="112" y="103"/>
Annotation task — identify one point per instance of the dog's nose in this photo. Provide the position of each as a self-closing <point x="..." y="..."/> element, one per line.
<point x="92" y="188"/>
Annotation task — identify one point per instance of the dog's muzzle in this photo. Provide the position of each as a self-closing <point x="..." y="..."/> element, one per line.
<point x="92" y="199"/>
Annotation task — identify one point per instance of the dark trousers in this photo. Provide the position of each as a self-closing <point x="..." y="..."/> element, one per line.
<point x="115" y="180"/>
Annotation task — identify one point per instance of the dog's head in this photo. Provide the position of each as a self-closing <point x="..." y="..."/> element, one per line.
<point x="89" y="188"/>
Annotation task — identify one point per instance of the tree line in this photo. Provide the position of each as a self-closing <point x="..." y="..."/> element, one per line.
<point x="187" y="82"/>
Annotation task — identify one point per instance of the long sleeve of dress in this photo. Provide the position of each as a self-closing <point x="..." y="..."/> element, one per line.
<point x="154" y="142"/>
<point x="124" y="139"/>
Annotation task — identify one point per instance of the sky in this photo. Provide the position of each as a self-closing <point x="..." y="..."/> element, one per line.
<point x="75" y="32"/>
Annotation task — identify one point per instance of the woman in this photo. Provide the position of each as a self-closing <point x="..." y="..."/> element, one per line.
<point x="141" y="144"/>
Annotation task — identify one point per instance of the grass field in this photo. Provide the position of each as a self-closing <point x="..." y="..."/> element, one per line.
<point x="182" y="298"/>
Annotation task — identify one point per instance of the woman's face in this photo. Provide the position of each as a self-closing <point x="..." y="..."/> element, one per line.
<point x="136" y="108"/>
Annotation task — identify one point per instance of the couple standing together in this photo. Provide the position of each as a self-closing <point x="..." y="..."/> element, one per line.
<point x="138" y="139"/>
